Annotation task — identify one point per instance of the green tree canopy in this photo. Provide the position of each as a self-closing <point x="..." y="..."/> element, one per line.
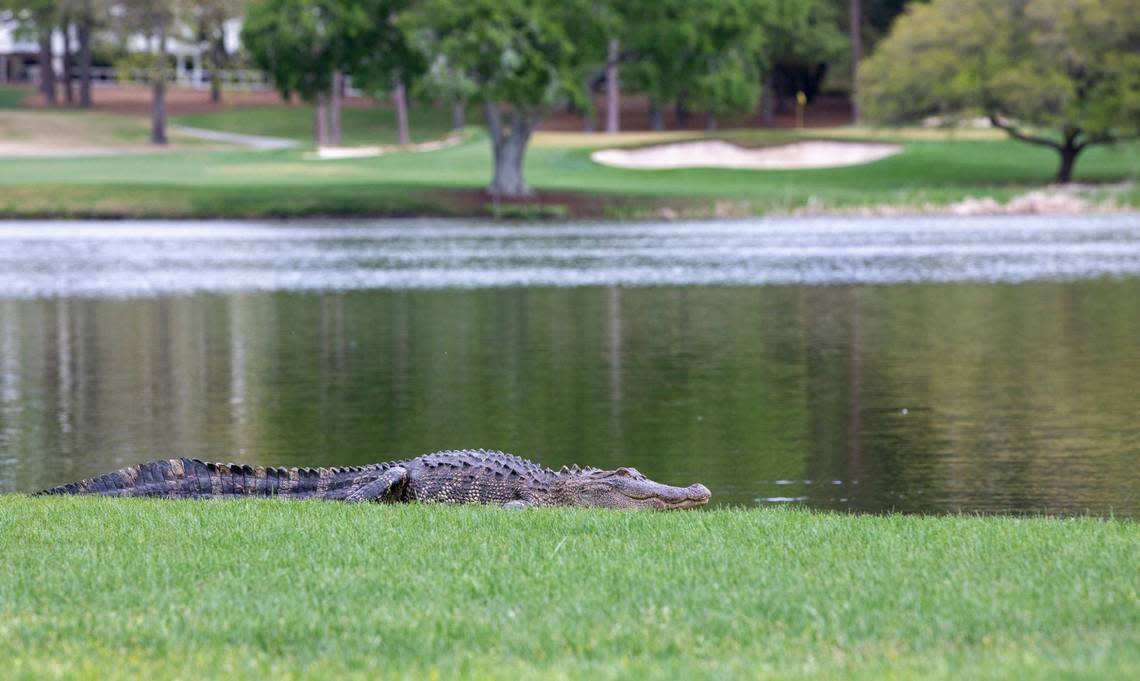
<point x="1058" y="73"/>
<point x="521" y="59"/>
<point x="699" y="53"/>
<point x="294" y="41"/>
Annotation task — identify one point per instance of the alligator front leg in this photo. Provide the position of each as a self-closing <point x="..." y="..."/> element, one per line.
<point x="388" y="487"/>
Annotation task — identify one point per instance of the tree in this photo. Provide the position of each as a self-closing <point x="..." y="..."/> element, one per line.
<point x="380" y="55"/>
<point x="723" y="78"/>
<point x="800" y="36"/>
<point x="521" y="59"/>
<point x="305" y="46"/>
<point x="84" y="27"/>
<point x="153" y="19"/>
<point x="597" y="40"/>
<point x="1063" y="74"/>
<point x="854" y="26"/>
<point x="41" y="16"/>
<point x="208" y="20"/>
<point x="443" y="82"/>
<point x="294" y="42"/>
<point x="693" y="54"/>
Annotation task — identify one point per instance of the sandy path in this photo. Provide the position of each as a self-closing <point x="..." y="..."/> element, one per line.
<point x="241" y="139"/>
<point x="721" y="154"/>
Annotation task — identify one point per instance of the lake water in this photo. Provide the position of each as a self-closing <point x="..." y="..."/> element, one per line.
<point x="981" y="364"/>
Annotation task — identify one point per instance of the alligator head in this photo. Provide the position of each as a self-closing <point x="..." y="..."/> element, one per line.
<point x="627" y="488"/>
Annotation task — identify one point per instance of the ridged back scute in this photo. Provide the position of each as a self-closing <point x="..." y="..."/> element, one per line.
<point x="486" y="462"/>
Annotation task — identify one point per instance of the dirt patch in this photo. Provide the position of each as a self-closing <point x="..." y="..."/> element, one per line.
<point x="598" y="140"/>
<point x="67" y="134"/>
<point x="547" y="205"/>
<point x="1039" y="202"/>
<point x="721" y="154"/>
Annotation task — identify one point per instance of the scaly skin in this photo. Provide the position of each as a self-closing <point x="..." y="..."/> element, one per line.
<point x="465" y="476"/>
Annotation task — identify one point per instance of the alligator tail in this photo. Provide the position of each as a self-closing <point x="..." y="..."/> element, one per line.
<point x="194" y="479"/>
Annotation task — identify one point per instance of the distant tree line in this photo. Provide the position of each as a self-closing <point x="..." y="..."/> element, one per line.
<point x="517" y="61"/>
<point x="1058" y="73"/>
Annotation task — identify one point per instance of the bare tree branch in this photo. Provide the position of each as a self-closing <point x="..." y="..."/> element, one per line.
<point x="1106" y="138"/>
<point x="1017" y="134"/>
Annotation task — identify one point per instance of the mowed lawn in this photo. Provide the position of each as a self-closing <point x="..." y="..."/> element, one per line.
<point x="370" y="125"/>
<point x="933" y="169"/>
<point x="97" y="588"/>
<point x="12" y="97"/>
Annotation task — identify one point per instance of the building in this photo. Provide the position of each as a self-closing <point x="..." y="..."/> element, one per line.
<point x="20" y="55"/>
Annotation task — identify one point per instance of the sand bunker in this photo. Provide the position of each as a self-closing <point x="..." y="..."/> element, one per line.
<point x="721" y="154"/>
<point x="339" y="153"/>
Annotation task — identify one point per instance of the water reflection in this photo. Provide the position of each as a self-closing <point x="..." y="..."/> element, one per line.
<point x="928" y="397"/>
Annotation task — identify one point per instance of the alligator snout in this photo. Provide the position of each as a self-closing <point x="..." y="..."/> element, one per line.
<point x="687" y="497"/>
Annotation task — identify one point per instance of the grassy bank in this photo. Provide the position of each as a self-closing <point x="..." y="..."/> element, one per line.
<point x="935" y="169"/>
<point x="122" y="589"/>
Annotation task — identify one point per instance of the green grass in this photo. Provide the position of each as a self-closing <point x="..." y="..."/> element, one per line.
<point x="97" y="588"/>
<point x="256" y="184"/>
<point x="12" y="97"/>
<point x="360" y="125"/>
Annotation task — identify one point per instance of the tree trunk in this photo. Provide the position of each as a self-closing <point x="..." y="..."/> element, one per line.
<point x="334" y="108"/>
<point x="47" y="67"/>
<point x="589" y="114"/>
<point x="656" y="120"/>
<point x="158" y="101"/>
<point x="400" y="97"/>
<point x="779" y="85"/>
<point x="68" y="89"/>
<point x="681" y="112"/>
<point x="458" y="114"/>
<point x="320" y="121"/>
<point x="768" y="100"/>
<point x="509" y="148"/>
<point x="613" y="88"/>
<point x="1069" y="154"/>
<point x="217" y="59"/>
<point x="855" y="20"/>
<point x="83" y="34"/>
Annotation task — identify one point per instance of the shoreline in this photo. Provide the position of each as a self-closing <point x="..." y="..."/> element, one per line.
<point x="125" y="202"/>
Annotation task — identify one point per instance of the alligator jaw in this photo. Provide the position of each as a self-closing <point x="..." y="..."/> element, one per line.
<point x="685" y="497"/>
<point x="668" y="498"/>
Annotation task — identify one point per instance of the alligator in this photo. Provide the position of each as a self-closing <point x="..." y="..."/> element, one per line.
<point x="473" y="476"/>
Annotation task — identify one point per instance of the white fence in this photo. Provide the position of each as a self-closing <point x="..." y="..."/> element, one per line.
<point x="249" y="80"/>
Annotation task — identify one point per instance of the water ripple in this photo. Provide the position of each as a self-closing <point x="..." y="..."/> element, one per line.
<point x="145" y="258"/>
